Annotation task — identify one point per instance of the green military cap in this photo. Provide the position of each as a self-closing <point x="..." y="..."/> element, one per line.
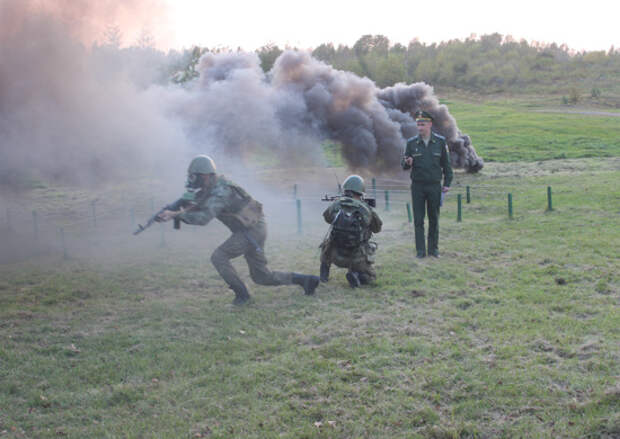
<point x="422" y="116"/>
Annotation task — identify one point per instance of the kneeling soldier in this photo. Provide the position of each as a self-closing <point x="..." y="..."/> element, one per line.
<point x="348" y="243"/>
<point x="217" y="197"/>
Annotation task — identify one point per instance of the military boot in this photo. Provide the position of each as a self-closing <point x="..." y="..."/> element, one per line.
<point x="309" y="283"/>
<point x="353" y="279"/>
<point x="241" y="294"/>
<point x="364" y="278"/>
<point x="324" y="272"/>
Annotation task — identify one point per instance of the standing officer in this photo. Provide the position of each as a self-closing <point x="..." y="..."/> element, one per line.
<point x="217" y="197"/>
<point x="348" y="244"/>
<point x="428" y="158"/>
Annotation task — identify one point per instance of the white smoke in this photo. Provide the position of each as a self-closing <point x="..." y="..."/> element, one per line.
<point x="87" y="114"/>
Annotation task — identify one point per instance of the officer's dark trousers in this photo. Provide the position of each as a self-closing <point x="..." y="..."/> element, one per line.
<point x="426" y="198"/>
<point x="239" y="244"/>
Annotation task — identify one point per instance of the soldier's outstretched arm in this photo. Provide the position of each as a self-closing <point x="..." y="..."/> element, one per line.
<point x="198" y="217"/>
<point x="207" y="209"/>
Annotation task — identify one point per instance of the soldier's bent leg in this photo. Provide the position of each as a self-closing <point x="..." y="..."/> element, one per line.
<point x="353" y="279"/>
<point x="233" y="247"/>
<point x="419" y="205"/>
<point x="326" y="262"/>
<point x="434" y="197"/>
<point x="262" y="275"/>
<point x="365" y="272"/>
<point x="324" y="272"/>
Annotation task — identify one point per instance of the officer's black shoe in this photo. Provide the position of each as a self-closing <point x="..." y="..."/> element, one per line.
<point x="435" y="254"/>
<point x="309" y="283"/>
<point x="353" y="278"/>
<point x="364" y="278"/>
<point x="241" y="295"/>
<point x="420" y="255"/>
<point x="324" y="272"/>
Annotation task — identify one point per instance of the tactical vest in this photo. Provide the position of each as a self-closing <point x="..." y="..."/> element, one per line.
<point x="241" y="210"/>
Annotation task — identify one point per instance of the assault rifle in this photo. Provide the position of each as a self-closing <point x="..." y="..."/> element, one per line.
<point x="186" y="202"/>
<point x="370" y="201"/>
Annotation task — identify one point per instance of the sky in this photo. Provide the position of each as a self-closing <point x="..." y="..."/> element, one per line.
<point x="591" y="25"/>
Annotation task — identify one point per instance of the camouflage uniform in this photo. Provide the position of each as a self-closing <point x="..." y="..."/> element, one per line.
<point x="359" y="259"/>
<point x="243" y="215"/>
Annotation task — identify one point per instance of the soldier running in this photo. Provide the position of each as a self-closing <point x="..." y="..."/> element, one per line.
<point x="217" y="197"/>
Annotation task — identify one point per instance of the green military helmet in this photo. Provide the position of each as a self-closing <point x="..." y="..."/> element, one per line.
<point x="201" y="164"/>
<point x="354" y="183"/>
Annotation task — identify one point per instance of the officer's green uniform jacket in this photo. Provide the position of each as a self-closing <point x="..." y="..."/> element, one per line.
<point x="429" y="162"/>
<point x="361" y="258"/>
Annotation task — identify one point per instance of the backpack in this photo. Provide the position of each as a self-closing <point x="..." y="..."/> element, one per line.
<point x="348" y="229"/>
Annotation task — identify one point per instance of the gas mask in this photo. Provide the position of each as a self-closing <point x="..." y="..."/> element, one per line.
<point x="194" y="182"/>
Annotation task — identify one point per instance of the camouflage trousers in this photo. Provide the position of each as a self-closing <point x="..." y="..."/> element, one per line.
<point x="249" y="243"/>
<point x="360" y="259"/>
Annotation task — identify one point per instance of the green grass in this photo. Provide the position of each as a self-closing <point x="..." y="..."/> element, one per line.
<point x="509" y="130"/>
<point x="513" y="333"/>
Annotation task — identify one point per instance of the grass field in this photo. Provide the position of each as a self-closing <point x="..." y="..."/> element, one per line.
<point x="514" y="130"/>
<point x="514" y="332"/>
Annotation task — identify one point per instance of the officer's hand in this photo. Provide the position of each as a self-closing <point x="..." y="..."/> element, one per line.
<point x="409" y="161"/>
<point x="445" y="189"/>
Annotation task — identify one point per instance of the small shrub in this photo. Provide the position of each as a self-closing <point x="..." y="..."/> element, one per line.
<point x="573" y="96"/>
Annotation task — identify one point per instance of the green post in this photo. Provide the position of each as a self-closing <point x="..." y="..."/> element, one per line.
<point x="65" y="255"/>
<point x="510" y="205"/>
<point x="549" y="202"/>
<point x="298" y="216"/>
<point x="468" y="196"/>
<point x="92" y="205"/>
<point x="295" y="191"/>
<point x="387" y="201"/>
<point x="409" y="213"/>
<point x="374" y="188"/>
<point x="459" y="215"/>
<point x="35" y="225"/>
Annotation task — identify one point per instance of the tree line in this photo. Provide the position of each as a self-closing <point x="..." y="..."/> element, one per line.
<point x="487" y="64"/>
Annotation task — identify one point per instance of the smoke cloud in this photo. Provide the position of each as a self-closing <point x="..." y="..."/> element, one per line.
<point x="403" y="100"/>
<point x="238" y="109"/>
<point x="82" y="113"/>
<point x="75" y="114"/>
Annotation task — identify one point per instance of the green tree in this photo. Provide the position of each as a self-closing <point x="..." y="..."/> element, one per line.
<point x="268" y="55"/>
